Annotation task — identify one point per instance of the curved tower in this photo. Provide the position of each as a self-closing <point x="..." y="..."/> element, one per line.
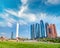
<point x="42" y="30"/>
<point x="46" y="29"/>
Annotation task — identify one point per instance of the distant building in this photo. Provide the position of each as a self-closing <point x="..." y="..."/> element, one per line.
<point x="52" y="31"/>
<point x="11" y="35"/>
<point x="42" y="30"/>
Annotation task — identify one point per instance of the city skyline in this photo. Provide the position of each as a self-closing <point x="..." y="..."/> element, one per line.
<point x="43" y="30"/>
<point x="27" y="12"/>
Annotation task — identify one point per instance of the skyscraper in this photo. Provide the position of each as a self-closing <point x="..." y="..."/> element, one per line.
<point x="46" y="29"/>
<point x="37" y="30"/>
<point x="52" y="31"/>
<point x="55" y="32"/>
<point x="42" y="30"/>
<point x="11" y="35"/>
<point x="32" y="32"/>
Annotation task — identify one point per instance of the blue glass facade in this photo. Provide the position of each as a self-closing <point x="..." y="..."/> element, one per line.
<point x="37" y="31"/>
<point x="42" y="30"/>
<point x="46" y="29"/>
<point x="32" y="32"/>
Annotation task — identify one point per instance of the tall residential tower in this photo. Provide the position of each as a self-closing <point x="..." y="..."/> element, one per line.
<point x="42" y="30"/>
<point x="52" y="31"/>
<point x="46" y="29"/>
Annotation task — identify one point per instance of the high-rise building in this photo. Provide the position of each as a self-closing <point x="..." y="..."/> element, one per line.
<point x="55" y="32"/>
<point x="32" y="32"/>
<point x="46" y="29"/>
<point x="52" y="31"/>
<point x="37" y="30"/>
<point x="42" y="30"/>
<point x="11" y="35"/>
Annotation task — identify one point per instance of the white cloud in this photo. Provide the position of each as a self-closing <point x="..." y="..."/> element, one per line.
<point x="22" y="22"/>
<point x="2" y="24"/>
<point x="27" y="16"/>
<point x="8" y="21"/>
<point x="9" y="24"/>
<point x="11" y="12"/>
<point x="42" y="15"/>
<point x="5" y="23"/>
<point x="24" y="1"/>
<point x="54" y="2"/>
<point x="31" y="17"/>
<point x="4" y="15"/>
<point x="20" y="12"/>
<point x="58" y="32"/>
<point x="11" y="20"/>
<point x="2" y="33"/>
<point x="23" y="8"/>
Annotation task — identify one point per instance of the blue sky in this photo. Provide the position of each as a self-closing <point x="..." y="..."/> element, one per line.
<point x="27" y="12"/>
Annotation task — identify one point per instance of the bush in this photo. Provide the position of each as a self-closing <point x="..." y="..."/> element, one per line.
<point x="55" y="40"/>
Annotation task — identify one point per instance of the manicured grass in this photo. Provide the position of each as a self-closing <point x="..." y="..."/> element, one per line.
<point x="28" y="45"/>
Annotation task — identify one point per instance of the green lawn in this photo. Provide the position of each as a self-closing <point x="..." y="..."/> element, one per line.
<point x="28" y="45"/>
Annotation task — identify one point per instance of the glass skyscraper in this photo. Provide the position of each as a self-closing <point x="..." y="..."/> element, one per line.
<point x="42" y="30"/>
<point x="46" y="29"/>
<point x="32" y="32"/>
<point x="37" y="30"/>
